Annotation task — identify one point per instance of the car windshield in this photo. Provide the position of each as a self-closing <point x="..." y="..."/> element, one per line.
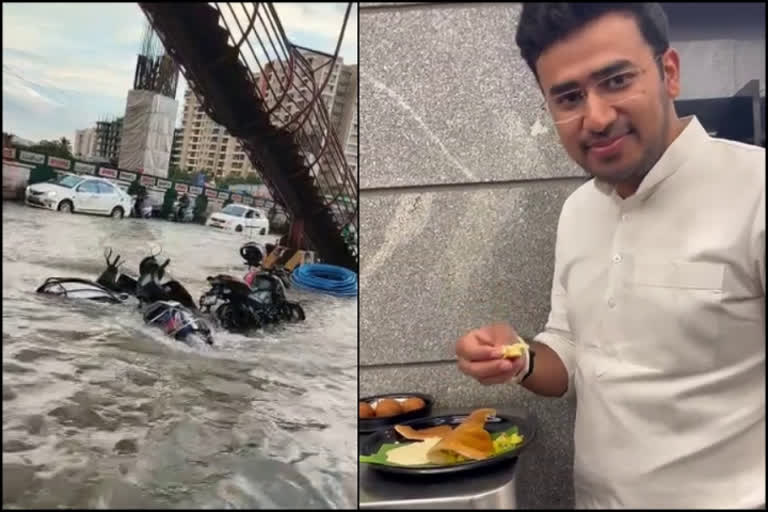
<point x="68" y="181"/>
<point x="234" y="210"/>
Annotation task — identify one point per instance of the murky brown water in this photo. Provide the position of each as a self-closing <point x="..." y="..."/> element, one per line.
<point x="101" y="411"/>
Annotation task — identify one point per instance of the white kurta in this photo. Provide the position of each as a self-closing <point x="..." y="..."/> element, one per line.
<point x="658" y="311"/>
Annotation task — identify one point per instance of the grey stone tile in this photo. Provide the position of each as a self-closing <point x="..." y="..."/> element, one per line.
<point x="546" y="468"/>
<point x="436" y="264"/>
<point x="446" y="98"/>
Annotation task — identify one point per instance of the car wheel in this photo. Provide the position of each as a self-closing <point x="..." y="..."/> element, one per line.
<point x="239" y="229"/>
<point x="117" y="212"/>
<point x="66" y="206"/>
<point x="263" y="231"/>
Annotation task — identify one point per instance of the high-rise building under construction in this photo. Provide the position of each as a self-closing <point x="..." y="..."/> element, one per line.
<point x="206" y="146"/>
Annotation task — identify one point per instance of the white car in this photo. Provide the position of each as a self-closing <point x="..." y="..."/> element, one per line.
<point x="238" y="218"/>
<point x="86" y="194"/>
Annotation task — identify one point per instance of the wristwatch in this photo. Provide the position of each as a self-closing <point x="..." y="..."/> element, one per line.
<point x="531" y="357"/>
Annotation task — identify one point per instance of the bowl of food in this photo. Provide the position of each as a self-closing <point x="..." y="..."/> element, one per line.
<point x="447" y="444"/>
<point x="382" y="411"/>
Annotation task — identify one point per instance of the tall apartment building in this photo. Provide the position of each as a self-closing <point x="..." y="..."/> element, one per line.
<point x="344" y="112"/>
<point x="351" y="146"/>
<point x="339" y="97"/>
<point x="85" y="143"/>
<point x="178" y="139"/>
<point x="108" y="135"/>
<point x="205" y="145"/>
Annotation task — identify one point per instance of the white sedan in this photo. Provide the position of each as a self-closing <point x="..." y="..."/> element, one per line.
<point x="238" y="218"/>
<point x="72" y="193"/>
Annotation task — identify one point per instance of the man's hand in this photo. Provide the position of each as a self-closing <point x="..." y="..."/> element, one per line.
<point x="480" y="355"/>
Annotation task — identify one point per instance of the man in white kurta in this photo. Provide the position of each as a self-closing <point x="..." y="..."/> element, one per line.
<point x="657" y="319"/>
<point x="658" y="312"/>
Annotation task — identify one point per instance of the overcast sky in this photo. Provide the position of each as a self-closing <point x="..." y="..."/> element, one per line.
<point x="67" y="64"/>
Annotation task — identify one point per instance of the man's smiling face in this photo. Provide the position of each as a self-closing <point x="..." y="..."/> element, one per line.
<point x="620" y="128"/>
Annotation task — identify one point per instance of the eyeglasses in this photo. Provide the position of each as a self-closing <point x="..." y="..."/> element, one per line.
<point x="619" y="87"/>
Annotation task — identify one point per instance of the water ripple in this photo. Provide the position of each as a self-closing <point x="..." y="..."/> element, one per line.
<point x="100" y="411"/>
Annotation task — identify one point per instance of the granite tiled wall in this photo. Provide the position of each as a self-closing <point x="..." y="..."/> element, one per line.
<point x="462" y="180"/>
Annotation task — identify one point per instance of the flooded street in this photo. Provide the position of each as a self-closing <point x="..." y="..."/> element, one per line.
<point x="101" y="411"/>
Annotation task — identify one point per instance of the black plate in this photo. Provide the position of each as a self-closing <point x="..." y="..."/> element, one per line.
<point x="376" y="424"/>
<point x="499" y="423"/>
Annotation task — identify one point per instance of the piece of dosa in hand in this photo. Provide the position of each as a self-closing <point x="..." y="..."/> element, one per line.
<point x="469" y="439"/>
<point x="424" y="433"/>
<point x="515" y="350"/>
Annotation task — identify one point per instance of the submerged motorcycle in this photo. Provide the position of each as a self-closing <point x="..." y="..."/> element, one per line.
<point x="258" y="300"/>
<point x="164" y="304"/>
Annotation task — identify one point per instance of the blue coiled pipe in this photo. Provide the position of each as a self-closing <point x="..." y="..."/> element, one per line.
<point x="330" y="279"/>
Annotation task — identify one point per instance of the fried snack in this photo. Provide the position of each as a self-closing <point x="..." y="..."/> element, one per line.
<point x="366" y="411"/>
<point x="424" y="433"/>
<point x="388" y="407"/>
<point x="413" y="404"/>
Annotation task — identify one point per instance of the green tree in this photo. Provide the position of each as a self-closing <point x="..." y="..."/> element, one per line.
<point x="133" y="188"/>
<point x="252" y="178"/>
<point x="60" y="148"/>
<point x="168" y="200"/>
<point x="65" y="145"/>
<point x="188" y="175"/>
<point x="201" y="205"/>
<point x="174" y="173"/>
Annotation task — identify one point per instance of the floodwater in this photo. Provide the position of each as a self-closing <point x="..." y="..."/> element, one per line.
<point x="101" y="411"/>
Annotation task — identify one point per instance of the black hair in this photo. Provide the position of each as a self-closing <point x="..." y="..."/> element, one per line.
<point x="544" y="24"/>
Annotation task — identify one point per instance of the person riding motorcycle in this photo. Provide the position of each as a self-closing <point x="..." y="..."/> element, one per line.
<point x="182" y="206"/>
<point x="141" y="208"/>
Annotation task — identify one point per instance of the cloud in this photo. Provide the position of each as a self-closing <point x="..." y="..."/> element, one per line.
<point x="25" y="96"/>
<point x="314" y="25"/>
<point x="68" y="28"/>
<point x="23" y="36"/>
<point x="130" y="34"/>
<point x="323" y="20"/>
<point x="66" y="64"/>
<point x="73" y="74"/>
